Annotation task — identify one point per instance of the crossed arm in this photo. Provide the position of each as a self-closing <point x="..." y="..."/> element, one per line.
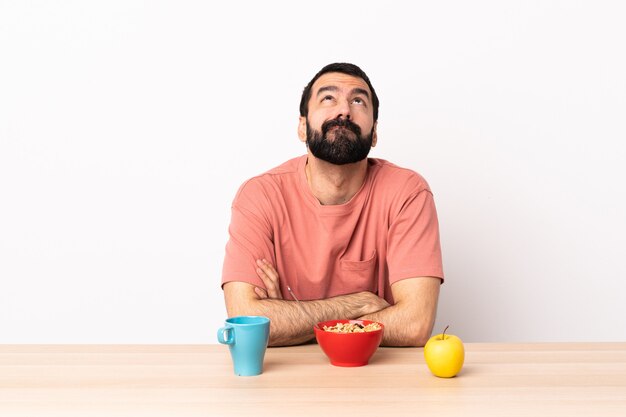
<point x="408" y="322"/>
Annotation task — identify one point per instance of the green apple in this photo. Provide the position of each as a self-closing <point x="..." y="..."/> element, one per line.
<point x="444" y="354"/>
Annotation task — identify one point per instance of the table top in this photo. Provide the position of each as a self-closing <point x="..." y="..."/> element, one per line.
<point x="556" y="379"/>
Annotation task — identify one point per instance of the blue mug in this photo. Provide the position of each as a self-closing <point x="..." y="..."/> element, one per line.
<point x="247" y="338"/>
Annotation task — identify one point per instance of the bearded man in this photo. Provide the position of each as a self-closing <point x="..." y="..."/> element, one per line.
<point x="350" y="237"/>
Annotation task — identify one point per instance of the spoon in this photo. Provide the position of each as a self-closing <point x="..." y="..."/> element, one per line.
<point x="303" y="309"/>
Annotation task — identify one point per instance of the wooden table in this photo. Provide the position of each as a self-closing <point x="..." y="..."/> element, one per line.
<point x="582" y="379"/>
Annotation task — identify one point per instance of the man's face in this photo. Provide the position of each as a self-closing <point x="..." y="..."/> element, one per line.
<point x="340" y="110"/>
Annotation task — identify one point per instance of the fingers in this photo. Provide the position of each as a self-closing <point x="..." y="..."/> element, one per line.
<point x="270" y="278"/>
<point x="261" y="293"/>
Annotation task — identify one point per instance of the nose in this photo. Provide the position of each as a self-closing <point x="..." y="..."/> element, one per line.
<point x="343" y="109"/>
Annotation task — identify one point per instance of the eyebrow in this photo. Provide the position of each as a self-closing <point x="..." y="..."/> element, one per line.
<point x="333" y="88"/>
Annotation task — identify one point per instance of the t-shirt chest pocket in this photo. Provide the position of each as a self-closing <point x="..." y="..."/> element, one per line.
<point x="359" y="275"/>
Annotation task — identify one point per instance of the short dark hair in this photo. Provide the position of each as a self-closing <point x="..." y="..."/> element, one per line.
<point x="344" y="68"/>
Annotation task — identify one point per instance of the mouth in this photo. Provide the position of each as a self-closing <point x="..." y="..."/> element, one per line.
<point x="340" y="133"/>
<point x="345" y="128"/>
<point x="339" y="127"/>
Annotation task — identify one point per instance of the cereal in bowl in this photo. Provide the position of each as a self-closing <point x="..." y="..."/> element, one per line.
<point x="352" y="328"/>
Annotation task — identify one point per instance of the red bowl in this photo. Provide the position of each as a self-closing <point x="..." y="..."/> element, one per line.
<point x="348" y="349"/>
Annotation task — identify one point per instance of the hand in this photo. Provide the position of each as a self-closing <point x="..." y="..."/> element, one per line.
<point x="270" y="278"/>
<point x="370" y="303"/>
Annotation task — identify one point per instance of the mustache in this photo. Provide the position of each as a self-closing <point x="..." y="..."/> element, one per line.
<point x="347" y="123"/>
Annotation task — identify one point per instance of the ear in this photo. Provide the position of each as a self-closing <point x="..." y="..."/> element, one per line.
<point x="374" y="134"/>
<point x="302" y="129"/>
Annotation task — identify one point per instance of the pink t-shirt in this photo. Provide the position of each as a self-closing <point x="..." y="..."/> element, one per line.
<point x="387" y="232"/>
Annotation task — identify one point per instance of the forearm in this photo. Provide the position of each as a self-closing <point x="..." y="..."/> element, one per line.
<point x="292" y="323"/>
<point x="402" y="328"/>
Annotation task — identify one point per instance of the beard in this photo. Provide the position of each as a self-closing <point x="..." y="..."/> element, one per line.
<point x="346" y="147"/>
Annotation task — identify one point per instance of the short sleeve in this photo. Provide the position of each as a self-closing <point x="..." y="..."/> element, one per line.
<point x="414" y="248"/>
<point x="250" y="236"/>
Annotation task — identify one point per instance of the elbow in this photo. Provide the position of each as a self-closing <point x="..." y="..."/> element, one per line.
<point x="242" y="309"/>
<point x="420" y="341"/>
<point x="414" y="340"/>
<point x="405" y="341"/>
<point x="419" y="336"/>
<point x="241" y="300"/>
<point x="415" y="335"/>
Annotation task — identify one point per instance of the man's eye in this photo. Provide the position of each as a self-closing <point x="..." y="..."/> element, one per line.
<point x="358" y="101"/>
<point x="327" y="98"/>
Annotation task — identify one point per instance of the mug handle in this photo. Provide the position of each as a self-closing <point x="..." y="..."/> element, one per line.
<point x="231" y="335"/>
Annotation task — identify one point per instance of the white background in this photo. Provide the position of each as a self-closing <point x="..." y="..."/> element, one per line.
<point x="126" y="128"/>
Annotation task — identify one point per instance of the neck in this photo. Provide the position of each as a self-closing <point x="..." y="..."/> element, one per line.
<point x="334" y="184"/>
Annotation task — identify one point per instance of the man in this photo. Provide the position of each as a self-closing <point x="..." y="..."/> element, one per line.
<point x="351" y="236"/>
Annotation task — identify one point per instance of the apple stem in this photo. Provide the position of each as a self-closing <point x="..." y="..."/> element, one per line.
<point x="443" y="335"/>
